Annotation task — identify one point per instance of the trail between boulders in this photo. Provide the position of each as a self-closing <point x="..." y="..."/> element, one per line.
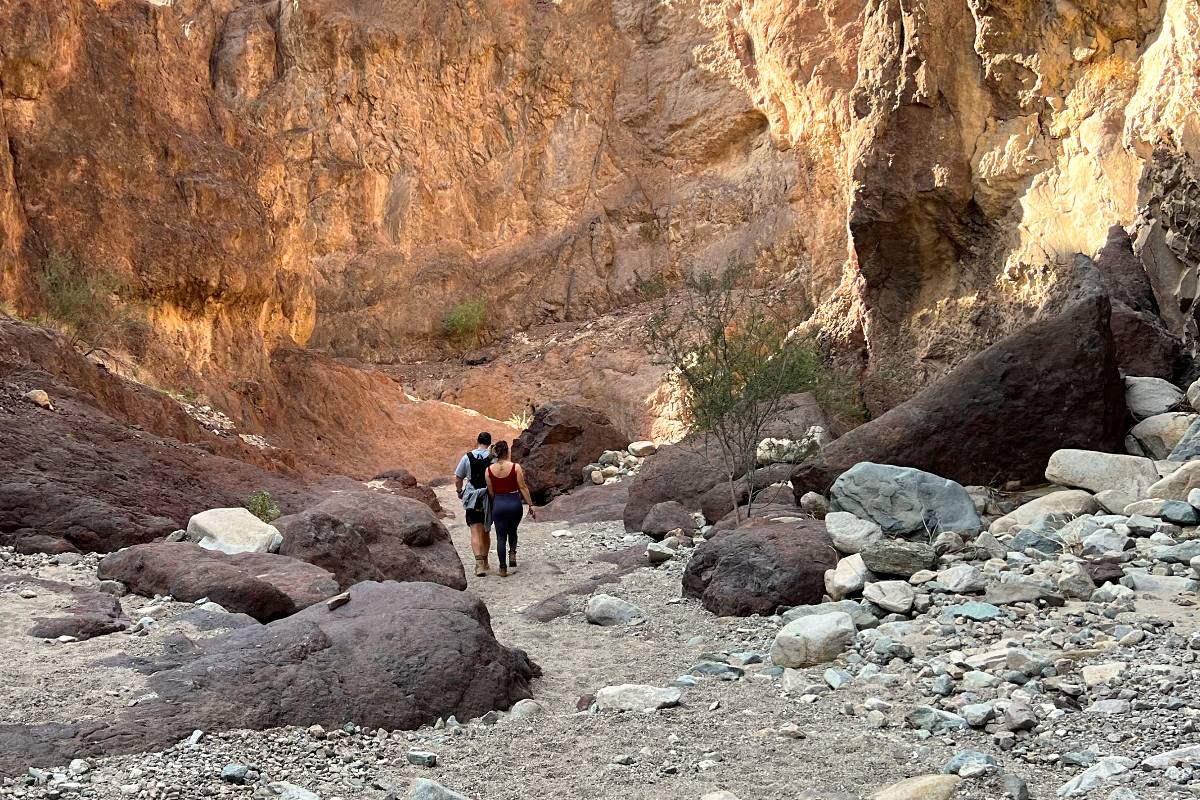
<point x="753" y="735"/>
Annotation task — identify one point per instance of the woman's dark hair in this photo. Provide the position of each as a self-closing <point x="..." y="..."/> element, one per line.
<point x="500" y="449"/>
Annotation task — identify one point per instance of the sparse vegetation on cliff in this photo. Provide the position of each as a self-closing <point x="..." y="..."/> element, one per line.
<point x="466" y="322"/>
<point x="89" y="305"/>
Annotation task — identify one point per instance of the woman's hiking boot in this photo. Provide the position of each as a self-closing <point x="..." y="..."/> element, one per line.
<point x="512" y="558"/>
<point x="481" y="567"/>
<point x="504" y="572"/>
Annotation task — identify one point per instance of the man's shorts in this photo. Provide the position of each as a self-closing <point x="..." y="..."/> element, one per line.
<point x="475" y="517"/>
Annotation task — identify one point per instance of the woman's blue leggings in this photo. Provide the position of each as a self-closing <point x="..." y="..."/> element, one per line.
<point x="507" y="511"/>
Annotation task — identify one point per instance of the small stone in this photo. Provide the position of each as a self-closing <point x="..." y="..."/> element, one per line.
<point x="425" y="789"/>
<point x="606" y="610"/>
<point x="39" y="398"/>
<point x="894" y="596"/>
<point x="422" y="758"/>
<point x="114" y="588"/>
<point x="635" y="697"/>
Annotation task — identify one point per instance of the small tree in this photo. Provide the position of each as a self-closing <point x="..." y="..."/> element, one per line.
<point x="734" y="357"/>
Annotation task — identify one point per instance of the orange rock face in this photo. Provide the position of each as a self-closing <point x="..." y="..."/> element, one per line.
<point x="344" y="173"/>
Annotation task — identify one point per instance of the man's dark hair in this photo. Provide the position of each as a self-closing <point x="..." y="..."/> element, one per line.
<point x="484" y="438"/>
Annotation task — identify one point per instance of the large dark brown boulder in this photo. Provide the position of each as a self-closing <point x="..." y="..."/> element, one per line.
<point x="562" y="439"/>
<point x="692" y="472"/>
<point x="266" y="586"/>
<point x="667" y="517"/>
<point x="760" y="566"/>
<point x="373" y="536"/>
<point x="396" y="656"/>
<point x="588" y="503"/>
<point x="1000" y="414"/>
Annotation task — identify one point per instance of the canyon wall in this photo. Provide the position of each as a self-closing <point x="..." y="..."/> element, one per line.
<point x="342" y="173"/>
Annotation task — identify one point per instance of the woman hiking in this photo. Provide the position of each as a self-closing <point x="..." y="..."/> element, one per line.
<point x="506" y="485"/>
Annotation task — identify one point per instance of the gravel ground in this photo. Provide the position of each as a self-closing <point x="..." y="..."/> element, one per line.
<point x="747" y="736"/>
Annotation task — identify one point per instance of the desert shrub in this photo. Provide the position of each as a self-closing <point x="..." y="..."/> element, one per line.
<point x="263" y="506"/>
<point x="88" y="304"/>
<point x="466" y="321"/>
<point x="734" y="356"/>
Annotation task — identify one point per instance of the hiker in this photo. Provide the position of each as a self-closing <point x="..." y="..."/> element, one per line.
<point x="506" y="486"/>
<point x="472" y="468"/>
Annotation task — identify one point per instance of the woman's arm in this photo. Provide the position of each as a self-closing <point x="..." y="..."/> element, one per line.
<point x="487" y="475"/>
<point x="525" y="490"/>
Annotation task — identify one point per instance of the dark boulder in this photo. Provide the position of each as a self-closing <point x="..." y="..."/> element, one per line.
<point x="692" y="470"/>
<point x="562" y="439"/>
<point x="266" y="586"/>
<point x="373" y="536"/>
<point x="80" y="612"/>
<point x="760" y="566"/>
<point x="718" y="501"/>
<point x="395" y="656"/>
<point x="401" y="482"/>
<point x="667" y="517"/>
<point x="588" y="503"/>
<point x="1058" y="377"/>
<point x="1145" y="347"/>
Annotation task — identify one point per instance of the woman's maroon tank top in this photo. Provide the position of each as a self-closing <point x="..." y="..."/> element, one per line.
<point x="506" y="485"/>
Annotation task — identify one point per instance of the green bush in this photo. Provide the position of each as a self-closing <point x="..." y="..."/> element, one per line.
<point x="466" y="320"/>
<point x="263" y="506"/>
<point x="87" y="304"/>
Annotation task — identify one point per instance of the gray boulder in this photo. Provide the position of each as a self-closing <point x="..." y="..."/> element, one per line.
<point x="903" y="500"/>
<point x="604" y="609"/>
<point x="812" y="640"/>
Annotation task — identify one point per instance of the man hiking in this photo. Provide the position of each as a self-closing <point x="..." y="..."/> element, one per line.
<point x="471" y="483"/>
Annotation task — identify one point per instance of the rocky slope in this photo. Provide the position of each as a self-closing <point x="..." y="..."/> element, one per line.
<point x="319" y="172"/>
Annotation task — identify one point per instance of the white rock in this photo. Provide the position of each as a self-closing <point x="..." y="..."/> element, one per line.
<point x="895" y="596"/>
<point x="1132" y="476"/>
<point x="604" y="609"/>
<point x="425" y="789"/>
<point x="963" y="579"/>
<point x="792" y="451"/>
<point x="526" y="709"/>
<point x="285" y="791"/>
<point x="1160" y="585"/>
<point x="642" y="449"/>
<point x="813" y="640"/>
<point x="39" y="398"/>
<point x="233" y="530"/>
<point x="1097" y="674"/>
<point x="1095" y="776"/>
<point x="1179" y="484"/>
<point x="1193" y="395"/>
<point x="1067" y="503"/>
<point x="849" y="533"/>
<point x="721" y="795"/>
<point x="637" y="697"/>
<point x="659" y="552"/>
<point x="1157" y="436"/>
<point x="1188" y="756"/>
<point x="849" y="577"/>
<point x="1147" y="397"/>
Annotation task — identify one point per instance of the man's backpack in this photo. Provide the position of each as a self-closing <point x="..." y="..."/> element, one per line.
<point x="479" y="465"/>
